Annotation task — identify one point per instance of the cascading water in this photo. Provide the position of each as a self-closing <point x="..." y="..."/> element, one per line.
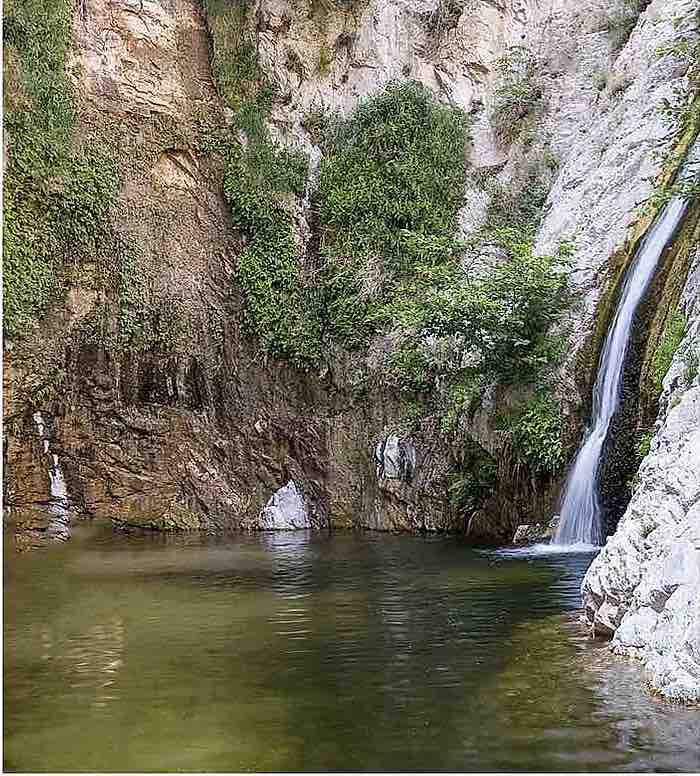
<point x="580" y="513"/>
<point x="59" y="505"/>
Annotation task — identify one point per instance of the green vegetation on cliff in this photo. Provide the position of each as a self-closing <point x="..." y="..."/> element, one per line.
<point x="385" y="260"/>
<point x="392" y="182"/>
<point x="263" y="183"/>
<point x="57" y="194"/>
<point x="535" y="430"/>
<point x="500" y="319"/>
<point x="517" y="95"/>
<point x="666" y="349"/>
<point x="385" y="279"/>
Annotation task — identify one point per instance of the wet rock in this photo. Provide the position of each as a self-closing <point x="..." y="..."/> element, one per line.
<point x="536" y="532"/>
<point x="527" y="534"/>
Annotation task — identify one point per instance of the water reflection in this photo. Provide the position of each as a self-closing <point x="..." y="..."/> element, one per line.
<point x="89" y="661"/>
<point x="307" y="651"/>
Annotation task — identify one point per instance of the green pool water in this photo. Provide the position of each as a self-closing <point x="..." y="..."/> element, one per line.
<point x="315" y="651"/>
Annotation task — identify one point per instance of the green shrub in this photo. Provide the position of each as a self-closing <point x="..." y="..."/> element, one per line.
<point x="517" y="95"/>
<point x="242" y="83"/>
<point x="392" y="182"/>
<point x="391" y="186"/>
<point x="501" y="318"/>
<point x="515" y="209"/>
<point x="56" y="197"/>
<point x="537" y="435"/>
<point x="475" y="478"/>
<point x="692" y="367"/>
<point x="461" y="397"/>
<point x="666" y="349"/>
<point x="644" y="444"/>
<point x="279" y="305"/>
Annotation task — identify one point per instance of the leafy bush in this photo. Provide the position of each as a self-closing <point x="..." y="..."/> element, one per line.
<point x="501" y="318"/>
<point x="392" y="182"/>
<point x="56" y="198"/>
<point x="537" y="436"/>
<point x="518" y="93"/>
<point x="475" y="478"/>
<point x="278" y="305"/>
<point x="644" y="444"/>
<point x="683" y="109"/>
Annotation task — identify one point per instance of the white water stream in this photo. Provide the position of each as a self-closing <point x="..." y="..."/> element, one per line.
<point x="59" y="524"/>
<point x="580" y="521"/>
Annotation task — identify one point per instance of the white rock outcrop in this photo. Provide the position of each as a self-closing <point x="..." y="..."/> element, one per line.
<point x="395" y="459"/>
<point x="644" y="587"/>
<point x="285" y="511"/>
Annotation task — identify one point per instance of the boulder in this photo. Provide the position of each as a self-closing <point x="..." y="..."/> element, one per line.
<point x="536" y="532"/>
<point x="285" y="511"/>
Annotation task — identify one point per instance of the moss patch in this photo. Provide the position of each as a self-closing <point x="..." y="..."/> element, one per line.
<point x="263" y="184"/>
<point x="665" y="325"/>
<point x="666" y="349"/>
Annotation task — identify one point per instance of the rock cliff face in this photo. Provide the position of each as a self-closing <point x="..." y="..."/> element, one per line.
<point x="206" y="433"/>
<point x="644" y="587"/>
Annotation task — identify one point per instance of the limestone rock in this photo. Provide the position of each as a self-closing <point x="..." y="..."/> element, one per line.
<point x="395" y="459"/>
<point x="285" y="511"/>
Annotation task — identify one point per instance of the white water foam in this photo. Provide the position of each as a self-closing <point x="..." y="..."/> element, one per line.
<point x="534" y="550"/>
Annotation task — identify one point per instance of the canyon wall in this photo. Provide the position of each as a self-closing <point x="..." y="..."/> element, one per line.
<point x="162" y="408"/>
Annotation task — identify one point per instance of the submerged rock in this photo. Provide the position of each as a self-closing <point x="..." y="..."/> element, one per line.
<point x="285" y="511"/>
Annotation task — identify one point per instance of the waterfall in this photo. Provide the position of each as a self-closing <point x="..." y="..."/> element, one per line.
<point x="580" y="521"/>
<point x="59" y="506"/>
